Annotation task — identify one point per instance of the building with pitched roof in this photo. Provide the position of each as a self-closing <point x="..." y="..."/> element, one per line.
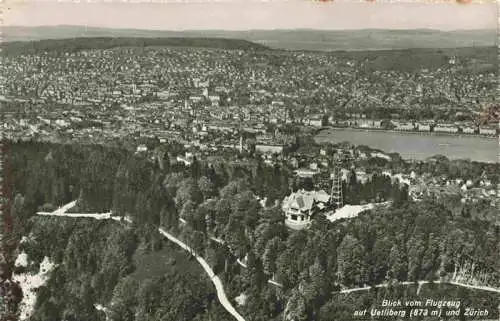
<point x="301" y="206"/>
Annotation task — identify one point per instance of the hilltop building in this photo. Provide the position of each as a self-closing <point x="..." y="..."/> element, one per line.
<point x="301" y="206"/>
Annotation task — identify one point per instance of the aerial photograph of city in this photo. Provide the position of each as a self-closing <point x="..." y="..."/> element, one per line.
<point x="286" y="160"/>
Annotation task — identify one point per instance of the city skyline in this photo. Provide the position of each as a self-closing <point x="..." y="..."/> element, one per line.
<point x="255" y="15"/>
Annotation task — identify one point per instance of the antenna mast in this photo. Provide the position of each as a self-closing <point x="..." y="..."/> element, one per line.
<point x="336" y="192"/>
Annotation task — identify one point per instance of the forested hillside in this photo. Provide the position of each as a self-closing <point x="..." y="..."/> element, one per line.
<point x="406" y="241"/>
<point x="102" y="263"/>
<point x="77" y="44"/>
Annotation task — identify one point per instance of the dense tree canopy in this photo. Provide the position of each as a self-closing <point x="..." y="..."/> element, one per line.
<point x="404" y="241"/>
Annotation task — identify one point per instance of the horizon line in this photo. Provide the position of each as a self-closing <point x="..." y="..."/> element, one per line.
<point x="249" y="29"/>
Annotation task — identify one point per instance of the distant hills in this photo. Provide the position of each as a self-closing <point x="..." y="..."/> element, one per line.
<point x="87" y="43"/>
<point x="299" y="39"/>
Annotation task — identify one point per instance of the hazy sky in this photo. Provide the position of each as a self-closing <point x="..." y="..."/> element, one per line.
<point x="250" y="14"/>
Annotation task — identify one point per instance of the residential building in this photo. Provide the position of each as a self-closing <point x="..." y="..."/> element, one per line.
<point x="445" y="129"/>
<point x="468" y="130"/>
<point x="404" y="126"/>
<point x="487" y="131"/>
<point x="269" y="149"/>
<point x="424" y="127"/>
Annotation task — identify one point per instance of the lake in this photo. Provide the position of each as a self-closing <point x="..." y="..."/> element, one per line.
<point x="418" y="146"/>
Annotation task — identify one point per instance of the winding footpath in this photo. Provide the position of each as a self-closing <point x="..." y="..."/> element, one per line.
<point x="221" y="294"/>
<point x="215" y="279"/>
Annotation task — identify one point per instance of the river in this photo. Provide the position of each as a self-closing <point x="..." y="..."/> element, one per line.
<point x="418" y="146"/>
